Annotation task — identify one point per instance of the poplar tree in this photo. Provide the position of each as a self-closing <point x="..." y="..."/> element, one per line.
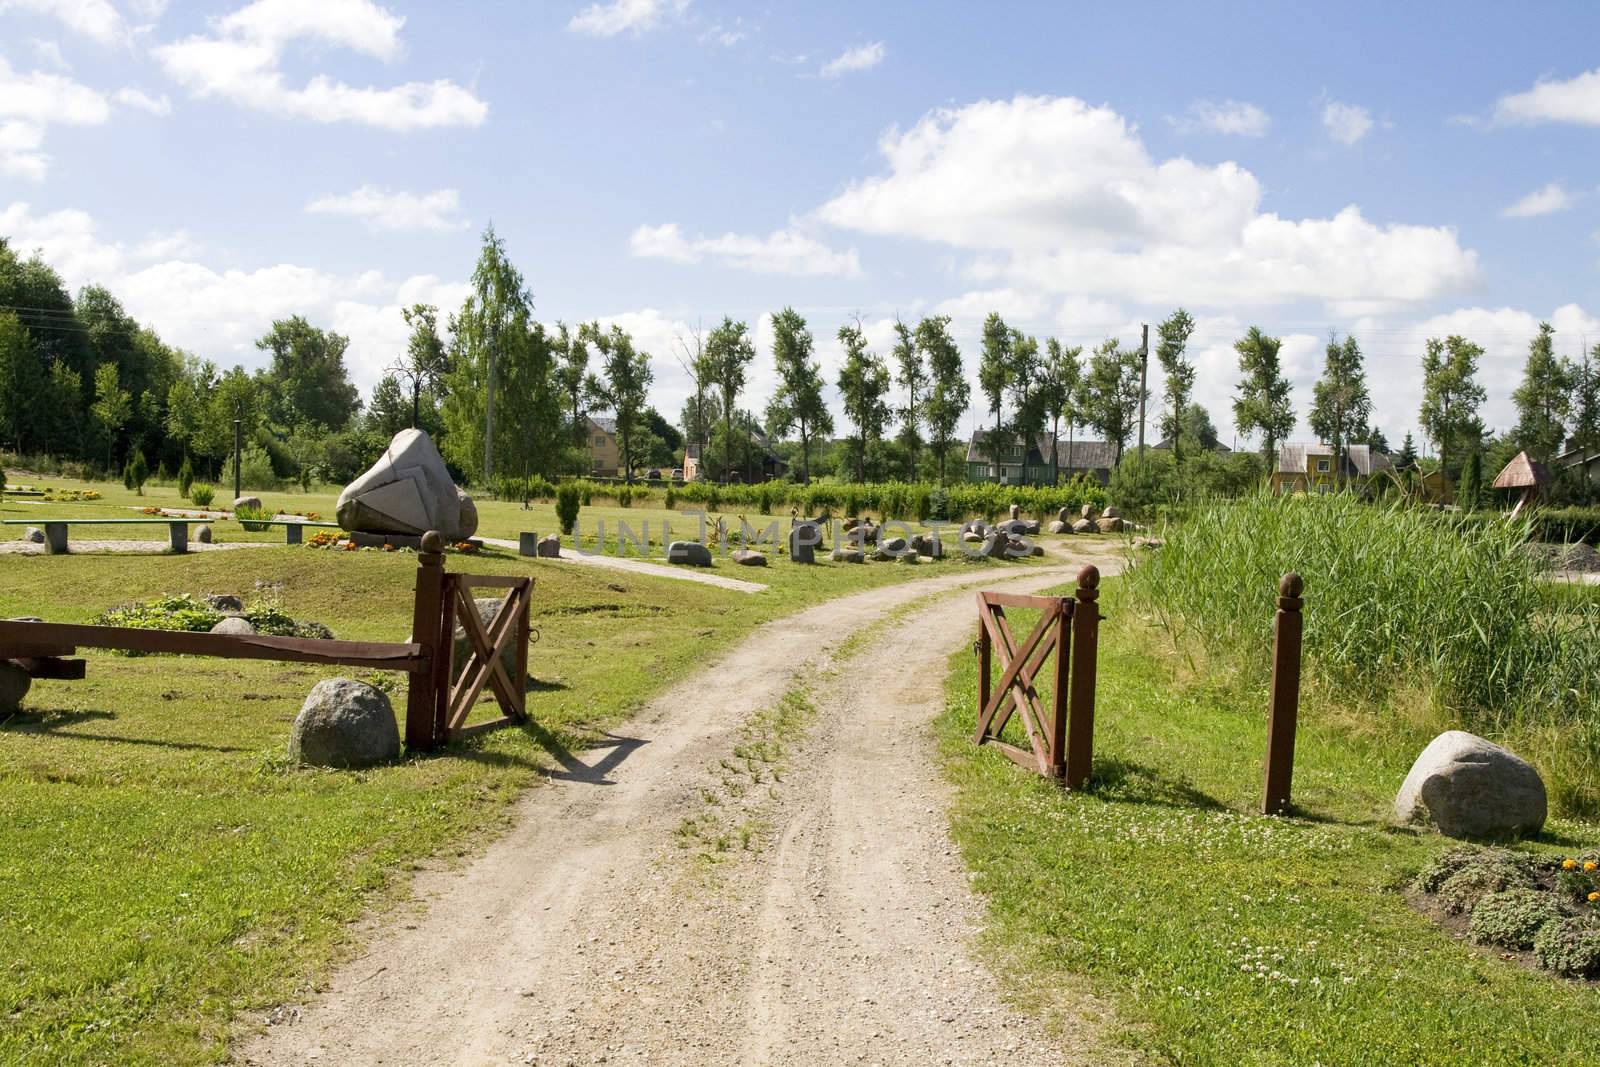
<point x="797" y="403"/>
<point x="948" y="391"/>
<point x="1171" y="345"/>
<point x="913" y="378"/>
<point x="1586" y="402"/>
<point x="1058" y="391"/>
<point x="1450" y="395"/>
<point x="1261" y="402"/>
<point x="863" y="385"/>
<point x="728" y="354"/>
<point x="995" y="374"/>
<point x="623" y="384"/>
<point x="1341" y="404"/>
<point x="1544" y="399"/>
<point x="1109" y="395"/>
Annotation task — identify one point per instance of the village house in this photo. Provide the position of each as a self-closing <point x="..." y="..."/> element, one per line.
<point x="605" y="457"/>
<point x="1032" y="461"/>
<point x="1308" y="468"/>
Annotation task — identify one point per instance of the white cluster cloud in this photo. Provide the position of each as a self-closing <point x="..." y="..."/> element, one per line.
<point x="96" y="19"/>
<point x="623" y="16"/>
<point x="29" y="103"/>
<point x="143" y="101"/>
<point x="1232" y="117"/>
<point x="1575" y="100"/>
<point x="1545" y="201"/>
<point x="785" y="251"/>
<point x="381" y="209"/>
<point x="239" y="61"/>
<point x="1346" y="123"/>
<point x="862" y="57"/>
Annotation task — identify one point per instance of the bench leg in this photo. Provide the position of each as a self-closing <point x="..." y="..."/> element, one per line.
<point x="55" y="538"/>
<point x="291" y="533"/>
<point x="178" y="536"/>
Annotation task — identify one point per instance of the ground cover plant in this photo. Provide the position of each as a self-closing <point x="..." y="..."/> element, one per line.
<point x="1221" y="936"/>
<point x="166" y="869"/>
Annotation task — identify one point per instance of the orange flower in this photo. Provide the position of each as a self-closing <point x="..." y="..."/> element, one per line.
<point x="1569" y="864"/>
<point x="1589" y="865"/>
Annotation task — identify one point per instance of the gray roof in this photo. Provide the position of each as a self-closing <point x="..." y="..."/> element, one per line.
<point x="1084" y="455"/>
<point x="1359" y="460"/>
<point x="1165" y="445"/>
<point x="608" y="425"/>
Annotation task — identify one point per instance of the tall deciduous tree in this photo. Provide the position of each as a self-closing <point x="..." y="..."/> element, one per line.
<point x="948" y="391"/>
<point x="797" y="403"/>
<point x="1544" y="399"/>
<point x="112" y="406"/>
<point x="623" y="385"/>
<point x="1451" y="395"/>
<point x="1110" y="393"/>
<point x="995" y="371"/>
<point x="1058" y="393"/>
<point x="1029" y="414"/>
<point x="421" y="371"/>
<point x="1171" y="351"/>
<point x="913" y="378"/>
<point x="310" y="386"/>
<point x="21" y="379"/>
<point x="1586" y="401"/>
<point x="1341" y="405"/>
<point x="1261" y="402"/>
<point x="729" y="352"/>
<point x="863" y="386"/>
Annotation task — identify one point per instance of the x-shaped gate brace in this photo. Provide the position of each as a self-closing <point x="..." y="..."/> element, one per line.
<point x="1060" y="739"/>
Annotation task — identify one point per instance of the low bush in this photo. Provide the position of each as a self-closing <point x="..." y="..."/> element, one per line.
<point x="185" y="477"/>
<point x="1570" y="947"/>
<point x="568" y="500"/>
<point x="201" y="495"/>
<point x="1460" y="893"/>
<point x="268" y="617"/>
<point x="253" y="518"/>
<point x="180" y="612"/>
<point x="1511" y="919"/>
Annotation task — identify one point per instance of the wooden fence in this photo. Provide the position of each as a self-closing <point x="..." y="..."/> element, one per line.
<point x="441" y="693"/>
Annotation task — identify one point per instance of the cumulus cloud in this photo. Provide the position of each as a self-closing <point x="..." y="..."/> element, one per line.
<point x="1545" y="201"/>
<point x="624" y="16"/>
<point x="785" y="251"/>
<point x="1053" y="193"/>
<point x="143" y="101"/>
<point x="381" y="209"/>
<point x="862" y="57"/>
<point x="49" y="52"/>
<point x="96" y="19"/>
<point x="29" y="103"/>
<point x="1346" y="123"/>
<point x="239" y="61"/>
<point x="1233" y="117"/>
<point x="1575" y="100"/>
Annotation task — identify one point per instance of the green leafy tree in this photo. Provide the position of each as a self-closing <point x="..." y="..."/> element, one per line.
<point x="309" y="383"/>
<point x="111" y="408"/>
<point x="389" y="410"/>
<point x="1341" y="405"/>
<point x="1059" y="375"/>
<point x="1110" y="393"/>
<point x="1261" y="402"/>
<point x="1586" y="402"/>
<point x="947" y="390"/>
<point x="1171" y="347"/>
<point x="572" y="376"/>
<point x="729" y="352"/>
<point x="422" y="370"/>
<point x="995" y="371"/>
<point x="665" y="443"/>
<point x="1544" y="399"/>
<point x="1027" y="372"/>
<point x="21" y="377"/>
<point x="1451" y="395"/>
<point x="60" y="419"/>
<point x="913" y="378"/>
<point x="624" y="384"/>
<point x="863" y="388"/>
<point x="1472" y="482"/>
<point x="1407" y="456"/>
<point x="797" y="403"/>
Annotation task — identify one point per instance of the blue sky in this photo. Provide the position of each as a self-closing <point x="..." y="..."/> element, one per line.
<point x="1393" y="171"/>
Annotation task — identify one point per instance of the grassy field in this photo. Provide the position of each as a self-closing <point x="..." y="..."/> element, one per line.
<point x="1224" y="937"/>
<point x="166" y="869"/>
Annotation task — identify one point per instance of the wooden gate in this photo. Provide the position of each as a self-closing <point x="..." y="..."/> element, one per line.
<point x="1060" y="737"/>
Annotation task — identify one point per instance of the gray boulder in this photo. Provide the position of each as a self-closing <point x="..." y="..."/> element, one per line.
<point x="550" y="547"/>
<point x="927" y="545"/>
<point x="1109" y="524"/>
<point x="1469" y="787"/>
<point x="1059" y="527"/>
<point x="224" y="602"/>
<point x="849" y="555"/>
<point x="1083" y="526"/>
<point x="461" y="647"/>
<point x="408" y="491"/>
<point x="253" y="502"/>
<point x="527" y="543"/>
<point x="14" y="685"/>
<point x="34" y="535"/>
<point x="344" y="723"/>
<point x="804" y="537"/>
<point x="692" y="553"/>
<point x="749" y="557"/>
<point x="994" y="546"/>
<point x="203" y="534"/>
<point x="236" y="625"/>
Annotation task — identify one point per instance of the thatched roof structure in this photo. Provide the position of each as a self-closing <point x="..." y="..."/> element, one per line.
<point x="1522" y="473"/>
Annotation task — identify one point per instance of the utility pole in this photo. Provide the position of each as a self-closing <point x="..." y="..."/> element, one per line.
<point x="238" y="449"/>
<point x="488" y="405"/>
<point x="1144" y="371"/>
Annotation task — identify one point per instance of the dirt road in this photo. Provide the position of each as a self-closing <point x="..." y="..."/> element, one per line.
<point x="590" y="933"/>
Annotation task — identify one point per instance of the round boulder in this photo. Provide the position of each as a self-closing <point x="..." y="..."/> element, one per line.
<point x="1059" y="527"/>
<point x="549" y="547"/>
<point x="692" y="553"/>
<point x="749" y="557"/>
<point x="226" y="603"/>
<point x="1083" y="526"/>
<point x="203" y="534"/>
<point x="344" y="723"/>
<point x="237" y="625"/>
<point x="14" y="685"/>
<point x="1109" y="523"/>
<point x="1469" y="787"/>
<point x="33" y="535"/>
<point x="247" y="502"/>
<point x="1064" y="516"/>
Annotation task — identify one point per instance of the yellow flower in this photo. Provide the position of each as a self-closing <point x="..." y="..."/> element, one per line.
<point x="1590" y="865"/>
<point x="1594" y="897"/>
<point x="1568" y="864"/>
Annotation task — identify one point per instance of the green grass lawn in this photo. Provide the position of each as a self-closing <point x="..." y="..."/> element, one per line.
<point x="165" y="869"/>
<point x="1221" y="936"/>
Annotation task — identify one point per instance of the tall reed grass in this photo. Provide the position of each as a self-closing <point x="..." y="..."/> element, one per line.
<point x="1398" y="600"/>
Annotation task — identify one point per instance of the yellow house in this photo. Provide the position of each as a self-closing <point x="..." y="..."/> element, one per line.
<point x="605" y="457"/>
<point x="1308" y="468"/>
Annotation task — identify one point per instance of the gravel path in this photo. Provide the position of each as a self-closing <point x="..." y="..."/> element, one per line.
<point x="640" y="566"/>
<point x="589" y="934"/>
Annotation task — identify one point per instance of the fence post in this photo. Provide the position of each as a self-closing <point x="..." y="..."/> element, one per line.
<point x="1085" y="644"/>
<point x="427" y="610"/>
<point x="1285" y="709"/>
<point x="985" y="658"/>
<point x="1058" y="697"/>
<point x="524" y="633"/>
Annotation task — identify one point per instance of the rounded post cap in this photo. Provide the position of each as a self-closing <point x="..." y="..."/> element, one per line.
<point x="432" y="542"/>
<point x="1089" y="577"/>
<point x="1291" y="584"/>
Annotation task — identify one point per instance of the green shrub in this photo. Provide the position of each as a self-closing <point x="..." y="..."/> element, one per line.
<point x="1570" y="947"/>
<point x="256" y="470"/>
<point x="253" y="518"/>
<point x="185" y="477"/>
<point x="268" y="617"/>
<point x="625" y="497"/>
<point x="669" y="499"/>
<point x="181" y="612"/>
<point x="201" y="495"/>
<point x="1513" y="918"/>
<point x="313" y="629"/>
<point x="1489" y="873"/>
<point x="1443" y="866"/>
<point x="136" y="472"/>
<point x="568" y="498"/>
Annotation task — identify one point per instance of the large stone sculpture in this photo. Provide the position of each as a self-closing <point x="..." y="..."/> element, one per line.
<point x="408" y="492"/>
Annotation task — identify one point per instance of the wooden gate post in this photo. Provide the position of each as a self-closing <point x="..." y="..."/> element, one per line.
<point x="422" y="693"/>
<point x="1059" y="694"/>
<point x="1285" y="708"/>
<point x="985" y="657"/>
<point x="1085" y="645"/>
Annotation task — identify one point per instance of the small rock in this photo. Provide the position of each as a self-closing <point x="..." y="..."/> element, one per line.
<point x="692" y="553"/>
<point x="849" y="555"/>
<point x="550" y="547"/>
<point x="1083" y="526"/>
<point x="247" y="502"/>
<point x="1064" y="516"/>
<point x="1109" y="524"/>
<point x="33" y="535"/>
<point x="344" y="723"/>
<point x="972" y="537"/>
<point x="237" y="625"/>
<point x="1016" y="512"/>
<point x="225" y="602"/>
<point x="749" y="557"/>
<point x="203" y="534"/>
<point x="1470" y="787"/>
<point x="1059" y="527"/>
